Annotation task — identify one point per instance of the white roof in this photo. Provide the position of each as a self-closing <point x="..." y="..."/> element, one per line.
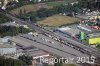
<point x="69" y="30"/>
<point x="64" y="28"/>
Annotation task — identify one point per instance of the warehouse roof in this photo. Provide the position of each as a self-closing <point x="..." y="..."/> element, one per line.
<point x="69" y="30"/>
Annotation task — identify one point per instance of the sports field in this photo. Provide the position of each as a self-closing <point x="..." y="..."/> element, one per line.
<point x="58" y="20"/>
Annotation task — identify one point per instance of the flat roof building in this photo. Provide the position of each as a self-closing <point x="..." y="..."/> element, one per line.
<point x="7" y="49"/>
<point x="69" y="30"/>
<point x="4" y="39"/>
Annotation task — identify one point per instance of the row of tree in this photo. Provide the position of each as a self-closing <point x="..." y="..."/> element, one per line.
<point x="11" y="62"/>
<point x="12" y="30"/>
<point x="24" y="60"/>
<point x="27" y="59"/>
<point x="4" y="19"/>
<point x="89" y="4"/>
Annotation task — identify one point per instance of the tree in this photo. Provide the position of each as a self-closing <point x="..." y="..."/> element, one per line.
<point x="12" y="30"/>
<point x="10" y="62"/>
<point x="33" y="19"/>
<point x="24" y="11"/>
<point x="42" y="13"/>
<point x="98" y="45"/>
<point x="27" y="59"/>
<point x="4" y="19"/>
<point x="20" y="12"/>
<point x="45" y="64"/>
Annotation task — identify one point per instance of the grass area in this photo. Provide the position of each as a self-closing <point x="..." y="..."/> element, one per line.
<point x="28" y="8"/>
<point x="58" y="20"/>
<point x="58" y="3"/>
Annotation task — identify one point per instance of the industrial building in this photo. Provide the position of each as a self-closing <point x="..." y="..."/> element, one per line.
<point x="68" y="31"/>
<point x="7" y="49"/>
<point x="4" y="39"/>
<point x="84" y="28"/>
<point x="94" y="41"/>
